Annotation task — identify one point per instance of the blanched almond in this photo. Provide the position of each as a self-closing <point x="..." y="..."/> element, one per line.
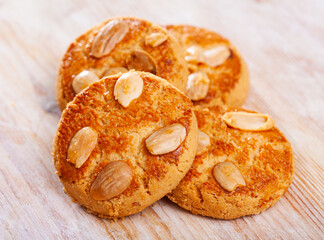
<point x="166" y="139"/>
<point x="141" y="61"/>
<point x="194" y="54"/>
<point x="127" y="88"/>
<point x="107" y="38"/>
<point x="83" y="80"/>
<point x="197" y="86"/>
<point x="248" y="121"/>
<point x="81" y="146"/>
<point x="111" y="181"/>
<point x="114" y="70"/>
<point x="228" y="176"/>
<point x="203" y="142"/>
<point x="155" y="39"/>
<point x="216" y="56"/>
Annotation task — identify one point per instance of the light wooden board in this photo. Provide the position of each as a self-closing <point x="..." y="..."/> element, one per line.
<point x="283" y="44"/>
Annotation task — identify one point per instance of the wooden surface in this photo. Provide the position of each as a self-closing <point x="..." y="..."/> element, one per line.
<point x="283" y="44"/>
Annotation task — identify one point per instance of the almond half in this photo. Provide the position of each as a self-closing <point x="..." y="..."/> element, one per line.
<point x="166" y="139"/>
<point x="228" y="176"/>
<point x="216" y="56"/>
<point x="194" y="54"/>
<point x="212" y="57"/>
<point x="197" y="86"/>
<point x="83" y="80"/>
<point x="81" y="146"/>
<point x="114" y="70"/>
<point x="155" y="39"/>
<point x="248" y="121"/>
<point x="127" y="88"/>
<point x="111" y="181"/>
<point x="140" y="60"/>
<point x="107" y="38"/>
<point x="203" y="142"/>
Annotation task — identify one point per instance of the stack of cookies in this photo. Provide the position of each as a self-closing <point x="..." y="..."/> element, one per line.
<point x="150" y="112"/>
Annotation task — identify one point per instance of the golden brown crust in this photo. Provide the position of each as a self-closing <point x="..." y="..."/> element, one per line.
<point x="264" y="158"/>
<point x="229" y="81"/>
<point x="168" y="57"/>
<point x="121" y="136"/>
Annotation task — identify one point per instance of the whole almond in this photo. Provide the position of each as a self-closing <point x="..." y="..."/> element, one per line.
<point x="216" y="56"/>
<point x="141" y="61"/>
<point x="127" y="88"/>
<point x="155" y="39"/>
<point x="203" y="142"/>
<point x="197" y="86"/>
<point x="248" y="121"/>
<point x="111" y="181"/>
<point x="166" y="139"/>
<point x="228" y="176"/>
<point x="83" y="80"/>
<point x="81" y="146"/>
<point x="107" y="38"/>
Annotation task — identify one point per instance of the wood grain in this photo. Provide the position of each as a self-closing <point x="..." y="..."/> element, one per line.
<point x="282" y="42"/>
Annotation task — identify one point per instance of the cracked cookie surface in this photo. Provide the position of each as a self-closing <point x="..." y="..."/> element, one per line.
<point x="166" y="56"/>
<point x="121" y="135"/>
<point x="229" y="81"/>
<point x="264" y="158"/>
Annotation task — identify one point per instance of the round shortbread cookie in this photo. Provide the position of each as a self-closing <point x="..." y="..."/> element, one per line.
<point x="95" y="130"/>
<point x="263" y="167"/>
<point x="117" y="45"/>
<point x="209" y="53"/>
